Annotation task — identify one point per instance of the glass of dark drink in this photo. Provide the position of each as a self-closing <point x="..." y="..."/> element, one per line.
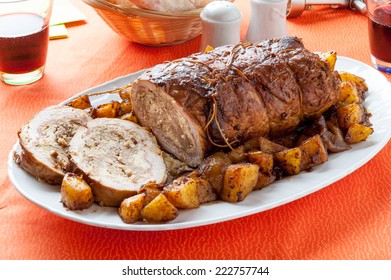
<point x="24" y="39"/>
<point x="379" y="31"/>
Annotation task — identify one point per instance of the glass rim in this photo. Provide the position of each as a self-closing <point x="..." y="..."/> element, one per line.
<point x="14" y="1"/>
<point x="11" y="1"/>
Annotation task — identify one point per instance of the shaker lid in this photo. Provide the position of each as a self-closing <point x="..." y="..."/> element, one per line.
<point x="221" y="11"/>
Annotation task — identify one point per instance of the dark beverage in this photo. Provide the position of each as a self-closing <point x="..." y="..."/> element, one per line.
<point x="23" y="43"/>
<point x="380" y="33"/>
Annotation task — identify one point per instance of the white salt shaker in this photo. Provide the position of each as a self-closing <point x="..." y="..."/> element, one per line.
<point x="267" y="20"/>
<point x="221" y="22"/>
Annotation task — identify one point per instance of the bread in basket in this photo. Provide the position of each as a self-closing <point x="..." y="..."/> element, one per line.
<point x="145" y="22"/>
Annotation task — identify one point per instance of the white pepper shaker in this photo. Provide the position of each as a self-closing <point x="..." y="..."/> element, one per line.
<point x="221" y="22"/>
<point x="267" y="20"/>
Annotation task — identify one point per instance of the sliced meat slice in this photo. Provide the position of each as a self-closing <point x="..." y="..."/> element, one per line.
<point x="177" y="131"/>
<point x="116" y="157"/>
<point x="45" y="139"/>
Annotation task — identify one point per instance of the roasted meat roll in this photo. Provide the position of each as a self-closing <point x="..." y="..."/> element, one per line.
<point x="232" y="94"/>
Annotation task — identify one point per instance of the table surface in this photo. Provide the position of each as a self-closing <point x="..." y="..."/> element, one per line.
<point x="349" y="219"/>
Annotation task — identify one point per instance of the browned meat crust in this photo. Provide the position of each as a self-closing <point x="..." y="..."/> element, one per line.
<point x="232" y="94"/>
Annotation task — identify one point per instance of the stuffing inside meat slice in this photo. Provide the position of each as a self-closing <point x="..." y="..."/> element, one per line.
<point x="117" y="158"/>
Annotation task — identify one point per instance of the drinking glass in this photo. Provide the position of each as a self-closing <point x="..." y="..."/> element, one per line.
<point x="24" y="39"/>
<point x="379" y="31"/>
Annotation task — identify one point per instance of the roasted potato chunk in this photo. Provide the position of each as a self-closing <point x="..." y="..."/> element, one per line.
<point x="76" y="194"/>
<point x="130" y="208"/>
<point x="266" y="163"/>
<point x="108" y="110"/>
<point x="289" y="160"/>
<point x="348" y="115"/>
<point x="159" y="210"/>
<point x="348" y="93"/>
<point x="129" y="117"/>
<point x="313" y="152"/>
<point x="357" y="133"/>
<point x="330" y="57"/>
<point x="268" y="146"/>
<point x="205" y="191"/>
<point x="262" y="159"/>
<point x="189" y="192"/>
<point x="125" y="107"/>
<point x="264" y="179"/>
<point x="125" y="92"/>
<point x="239" y="180"/>
<point x="82" y="102"/>
<point x="360" y="82"/>
<point x="208" y="48"/>
<point x="183" y="192"/>
<point x="237" y="155"/>
<point x="212" y="169"/>
<point x="151" y="190"/>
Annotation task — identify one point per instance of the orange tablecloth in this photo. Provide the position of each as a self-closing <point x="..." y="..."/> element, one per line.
<point x="349" y="219"/>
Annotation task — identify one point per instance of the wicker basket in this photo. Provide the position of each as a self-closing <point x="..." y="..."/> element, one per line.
<point x="149" y="27"/>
